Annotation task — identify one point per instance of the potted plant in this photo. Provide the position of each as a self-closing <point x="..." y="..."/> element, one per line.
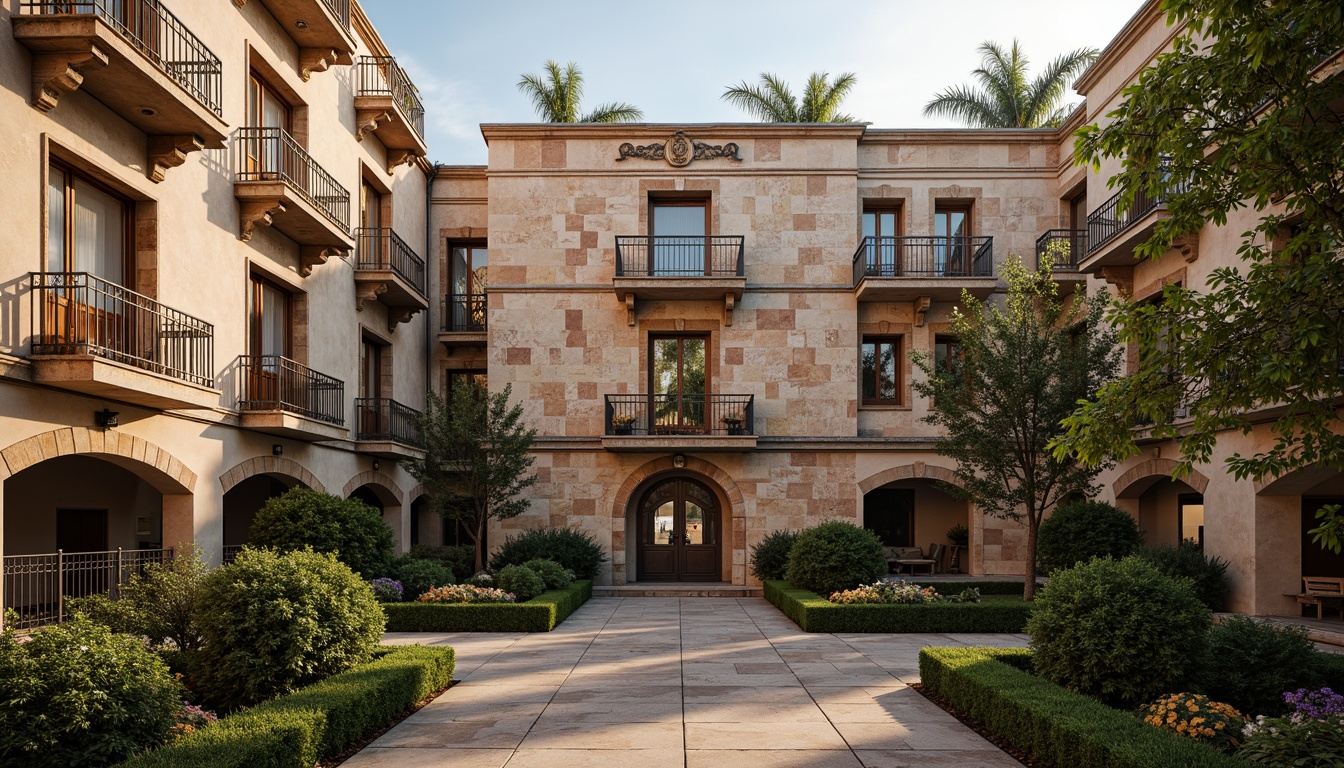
<point x="623" y="423"/>
<point x="734" y="422"/>
<point x="960" y="537"/>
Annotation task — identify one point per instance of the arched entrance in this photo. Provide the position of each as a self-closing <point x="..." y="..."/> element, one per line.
<point x="908" y="506"/>
<point x="380" y="492"/>
<point x="1168" y="511"/>
<point x="248" y="486"/>
<point x="680" y="536"/>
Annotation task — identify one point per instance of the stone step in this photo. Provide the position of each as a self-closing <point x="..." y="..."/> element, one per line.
<point x="677" y="590"/>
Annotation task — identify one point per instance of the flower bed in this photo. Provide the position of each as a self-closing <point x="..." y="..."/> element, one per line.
<point x="540" y="614"/>
<point x="314" y="723"/>
<point x="1057" y="726"/>
<point x="813" y="613"/>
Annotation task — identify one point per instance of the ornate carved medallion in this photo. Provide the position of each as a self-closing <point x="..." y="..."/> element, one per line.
<point x="679" y="150"/>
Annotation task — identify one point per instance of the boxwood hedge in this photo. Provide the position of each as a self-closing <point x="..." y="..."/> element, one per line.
<point x="540" y="614"/>
<point x="813" y="613"/>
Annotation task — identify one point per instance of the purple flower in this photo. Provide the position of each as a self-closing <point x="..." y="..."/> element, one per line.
<point x="1314" y="705"/>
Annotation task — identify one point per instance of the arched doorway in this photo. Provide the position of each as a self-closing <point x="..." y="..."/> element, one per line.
<point x="377" y="492"/>
<point x="243" y="501"/>
<point x="679" y="532"/>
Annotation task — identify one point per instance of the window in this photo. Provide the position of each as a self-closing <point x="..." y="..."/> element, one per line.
<point x="678" y="383"/>
<point x="265" y="107"/>
<point x="947" y="352"/>
<point x="879" y="366"/>
<point x="266" y="110"/>
<point x="468" y="281"/>
<point x="88" y="228"/>
<point x="1191" y="518"/>
<point x="883" y="225"/>
<point x="1078" y="212"/>
<point x="268" y="319"/>
<point x="459" y="379"/>
<point x="679" y="229"/>
<point x="951" y="250"/>
<point x="890" y="513"/>
<point x="370" y="369"/>
<point x="370" y="206"/>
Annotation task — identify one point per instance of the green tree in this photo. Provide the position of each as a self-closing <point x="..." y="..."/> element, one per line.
<point x="556" y="94"/>
<point x="1240" y="114"/>
<point x="773" y="101"/>
<point x="1023" y="367"/>
<point x="1005" y="98"/>
<point x="476" y="459"/>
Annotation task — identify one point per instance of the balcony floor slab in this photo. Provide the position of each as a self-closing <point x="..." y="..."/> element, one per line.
<point x="100" y="377"/>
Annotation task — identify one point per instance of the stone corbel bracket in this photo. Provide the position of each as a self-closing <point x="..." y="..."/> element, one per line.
<point x="368" y="120"/>
<point x="56" y="73"/>
<point x="367" y="292"/>
<point x="729" y="303"/>
<point x="630" y="309"/>
<point x="396" y="157"/>
<point x="1121" y="277"/>
<point x="169" y="151"/>
<point x="315" y="60"/>
<point x="1188" y="245"/>
<point x="397" y="315"/>
<point x="921" y="305"/>
<point x="311" y="256"/>
<point x="256" y="213"/>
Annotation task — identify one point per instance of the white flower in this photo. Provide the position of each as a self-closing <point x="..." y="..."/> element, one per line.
<point x="83" y="647"/>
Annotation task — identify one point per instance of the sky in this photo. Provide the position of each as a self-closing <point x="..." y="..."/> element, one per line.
<point x="674" y="59"/>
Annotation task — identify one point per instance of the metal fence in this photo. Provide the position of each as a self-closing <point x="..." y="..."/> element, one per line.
<point x="275" y="383"/>
<point x="231" y="553"/>
<point x="342" y="10"/>
<point x="464" y="312"/>
<point x="679" y="256"/>
<point x="1111" y="218"/>
<point x="158" y="35"/>
<point x="380" y="248"/>
<point x="38" y="587"/>
<point x="1065" y="247"/>
<point x="924" y="256"/>
<point x="383" y="76"/>
<point x="76" y="313"/>
<point x="271" y="154"/>
<point x="680" y="414"/>
<point x="384" y="419"/>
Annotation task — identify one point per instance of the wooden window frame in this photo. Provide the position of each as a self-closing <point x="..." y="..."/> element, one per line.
<point x="898" y="342"/>
<point x="654" y="338"/>
<point x="877" y="209"/>
<point x="128" y="262"/>
<point x="471" y="270"/>
<point x="255" y="313"/>
<point x="449" y="373"/>
<point x="696" y="200"/>
<point x="261" y="85"/>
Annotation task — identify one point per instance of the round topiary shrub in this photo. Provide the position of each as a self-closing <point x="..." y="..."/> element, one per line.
<point x="348" y="528"/>
<point x="1117" y="630"/>
<point x="571" y="548"/>
<point x="551" y="572"/>
<point x="522" y="581"/>
<point x="1186" y="560"/>
<point x="419" y="576"/>
<point x="1249" y="664"/>
<point x="77" y="694"/>
<point x="835" y="556"/>
<point x="1078" y="532"/>
<point x="770" y="558"/>
<point x="273" y="622"/>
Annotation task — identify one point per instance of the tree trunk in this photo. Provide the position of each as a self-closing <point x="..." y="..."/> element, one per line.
<point x="480" y="550"/>
<point x="1029" y="583"/>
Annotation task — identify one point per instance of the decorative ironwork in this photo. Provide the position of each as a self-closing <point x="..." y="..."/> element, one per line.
<point x="38" y="586"/>
<point x="924" y="257"/>
<point x="275" y="383"/>
<point x="385" y="420"/>
<point x="685" y="414"/>
<point x="679" y="150"/>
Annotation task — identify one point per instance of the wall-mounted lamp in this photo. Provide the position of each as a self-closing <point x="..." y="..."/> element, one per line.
<point x="678" y="461"/>
<point x="106" y="418"/>
<point x="277" y="449"/>
<point x="375" y="465"/>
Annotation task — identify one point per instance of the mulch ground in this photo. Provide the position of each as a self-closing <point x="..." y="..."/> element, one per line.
<point x="1022" y="757"/>
<point x="369" y="737"/>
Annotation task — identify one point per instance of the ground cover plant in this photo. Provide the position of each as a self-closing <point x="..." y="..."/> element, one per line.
<point x="1197" y="717"/>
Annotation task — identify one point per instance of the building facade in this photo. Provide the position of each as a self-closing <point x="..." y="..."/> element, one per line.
<point x="214" y="219"/>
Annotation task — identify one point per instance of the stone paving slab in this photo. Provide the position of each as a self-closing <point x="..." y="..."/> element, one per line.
<point x="650" y="682"/>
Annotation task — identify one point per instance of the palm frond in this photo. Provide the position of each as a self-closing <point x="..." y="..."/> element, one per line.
<point x="1005" y="98"/>
<point x="769" y="102"/>
<point x="1045" y="92"/>
<point x="962" y="102"/>
<point x="614" y="112"/>
<point x="821" y="99"/>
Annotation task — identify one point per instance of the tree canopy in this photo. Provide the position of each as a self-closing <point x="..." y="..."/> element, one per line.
<point x="1005" y="98"/>
<point x="772" y="101"/>
<point x="556" y="94"/>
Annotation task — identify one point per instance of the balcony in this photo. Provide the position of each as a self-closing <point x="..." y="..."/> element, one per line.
<point x="679" y="268"/>
<point x="281" y="397"/>
<point x="1065" y="248"/>
<point x="388" y="105"/>
<point x="139" y="60"/>
<point x="464" y="316"/>
<point x="388" y="429"/>
<point x="387" y="269"/>
<point x="933" y="268"/>
<point x="320" y="28"/>
<point x="279" y="185"/>
<point x="98" y="338"/>
<point x="1113" y="231"/>
<point x="696" y="423"/>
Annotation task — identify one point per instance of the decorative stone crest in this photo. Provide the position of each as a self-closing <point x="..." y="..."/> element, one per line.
<point x="679" y="150"/>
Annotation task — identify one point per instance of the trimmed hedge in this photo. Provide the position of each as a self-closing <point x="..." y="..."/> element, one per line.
<point x="540" y="614"/>
<point x="313" y="723"/>
<point x="1061" y="728"/>
<point x="813" y="613"/>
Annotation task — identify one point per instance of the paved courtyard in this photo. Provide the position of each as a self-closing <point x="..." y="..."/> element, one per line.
<point x="662" y="682"/>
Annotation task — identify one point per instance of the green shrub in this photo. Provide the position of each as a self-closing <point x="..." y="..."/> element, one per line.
<point x="573" y="549"/>
<point x="770" y="558"/>
<point x="419" y="576"/>
<point x="1279" y="742"/>
<point x="77" y="694"/>
<point x="552" y="573"/>
<point x="1329" y="670"/>
<point x="813" y="613"/>
<point x="275" y="622"/>
<point x="1186" y="560"/>
<point x="540" y="614"/>
<point x="522" y="581"/>
<point x="833" y="556"/>
<point x="1249" y="664"/>
<point x="317" y="722"/>
<point x="1119" y="630"/>
<point x="1060" y="728"/>
<point x="158" y="603"/>
<point x="1078" y="532"/>
<point x="348" y="528"/>
<point x="460" y="560"/>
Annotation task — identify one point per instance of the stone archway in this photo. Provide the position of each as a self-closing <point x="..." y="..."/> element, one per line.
<point x="908" y="472"/>
<point x="382" y="488"/>
<point x="269" y="465"/>
<point x="931" y="513"/>
<point x="1138" y="478"/>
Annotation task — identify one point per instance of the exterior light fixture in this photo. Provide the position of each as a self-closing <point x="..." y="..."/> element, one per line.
<point x="106" y="418"/>
<point x="678" y="461"/>
<point x="277" y="449"/>
<point x="301" y="24"/>
<point x="375" y="464"/>
<point x="147" y="112"/>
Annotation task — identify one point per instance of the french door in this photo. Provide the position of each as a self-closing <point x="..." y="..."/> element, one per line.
<point x="679" y="244"/>
<point x="952" y="227"/>
<point x="679" y="536"/>
<point x="679" y="384"/>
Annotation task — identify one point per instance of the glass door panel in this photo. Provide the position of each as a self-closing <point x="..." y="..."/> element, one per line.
<point x="883" y="248"/>
<point x="952" y="227"/>
<point x="679" y="240"/>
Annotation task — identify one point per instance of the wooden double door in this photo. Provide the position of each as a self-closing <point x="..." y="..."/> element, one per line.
<point x="680" y="536"/>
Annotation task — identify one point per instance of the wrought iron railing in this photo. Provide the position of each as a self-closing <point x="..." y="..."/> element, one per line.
<point x="679" y="256"/>
<point x="464" y="312"/>
<point x="231" y="553"/>
<point x="275" y="383"/>
<point x="158" y="35"/>
<point x="924" y="256"/>
<point x="342" y="10"/>
<point x="271" y="154"/>
<point x="680" y="414"/>
<point x="75" y="313"/>
<point x="383" y="76"/>
<point x="1109" y="219"/>
<point x="37" y="587"/>
<point x="385" y="420"/>
<point x="379" y="248"/>
<point x="1066" y="247"/>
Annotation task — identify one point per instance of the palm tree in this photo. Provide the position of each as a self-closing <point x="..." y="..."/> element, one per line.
<point x="557" y="92"/>
<point x="773" y="102"/>
<point x="1005" y="98"/>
